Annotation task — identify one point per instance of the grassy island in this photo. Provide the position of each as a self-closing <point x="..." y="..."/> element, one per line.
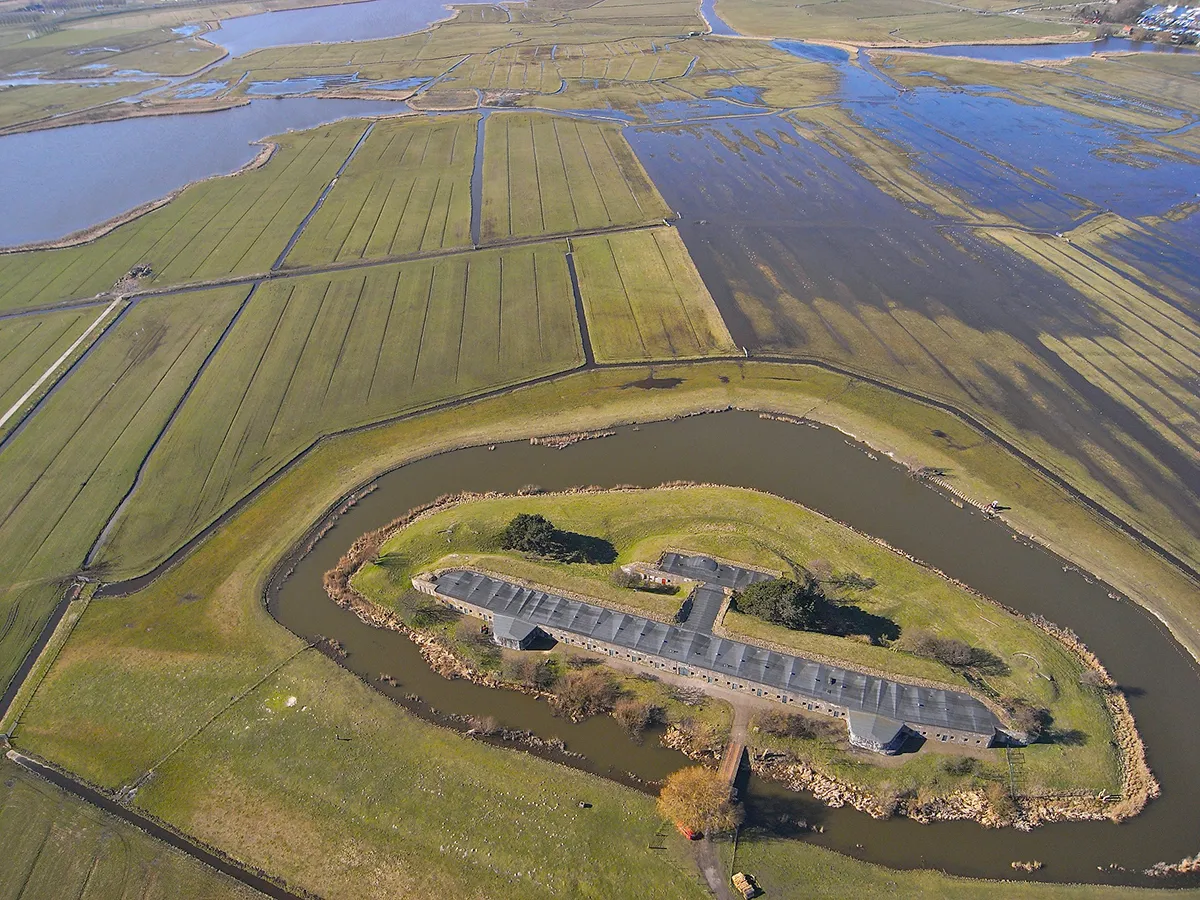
<point x="893" y="617"/>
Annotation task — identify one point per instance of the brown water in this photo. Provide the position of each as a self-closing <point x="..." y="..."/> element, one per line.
<point x="823" y="470"/>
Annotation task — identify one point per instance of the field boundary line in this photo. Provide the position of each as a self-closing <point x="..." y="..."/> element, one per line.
<point x="187" y="392"/>
<point x="66" y="354"/>
<point x="159" y="830"/>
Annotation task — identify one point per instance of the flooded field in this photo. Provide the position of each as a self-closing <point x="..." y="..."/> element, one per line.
<point x="1019" y="53"/>
<point x="804" y="255"/>
<point x="822" y="469"/>
<point x="102" y="170"/>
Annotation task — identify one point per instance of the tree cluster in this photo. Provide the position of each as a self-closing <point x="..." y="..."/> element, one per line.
<point x="783" y="601"/>
<point x="788" y="725"/>
<point x="953" y="653"/>
<point x="585" y="692"/>
<point x="699" y="799"/>
<point x="535" y="534"/>
<point x="1032" y="720"/>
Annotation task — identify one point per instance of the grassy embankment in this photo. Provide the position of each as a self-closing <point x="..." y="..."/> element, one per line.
<point x="825" y="874"/>
<point x="119" y="698"/>
<point x="58" y="846"/>
<point x="65" y="473"/>
<point x="897" y="22"/>
<point x="761" y="530"/>
<point x="218" y="227"/>
<point x="645" y="300"/>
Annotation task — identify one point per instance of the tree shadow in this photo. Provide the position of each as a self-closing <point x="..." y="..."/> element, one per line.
<point x="575" y="547"/>
<point x="846" y="619"/>
<point x="1066" y="737"/>
<point x="985" y="662"/>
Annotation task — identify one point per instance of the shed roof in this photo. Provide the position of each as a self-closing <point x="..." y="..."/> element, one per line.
<point x="873" y="728"/>
<point x="508" y="628"/>
<point x="818" y="681"/>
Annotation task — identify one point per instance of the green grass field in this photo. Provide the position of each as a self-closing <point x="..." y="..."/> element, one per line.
<point x="408" y="190"/>
<point x="141" y="675"/>
<point x="317" y="354"/>
<point x="543" y="174"/>
<point x="58" y="846"/>
<point x="31" y="103"/>
<point x="766" y="531"/>
<point x="30" y="345"/>
<point x="67" y="470"/>
<point x="645" y="300"/>
<point x="218" y="227"/>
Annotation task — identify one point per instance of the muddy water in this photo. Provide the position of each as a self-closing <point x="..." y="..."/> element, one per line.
<point x="822" y="469"/>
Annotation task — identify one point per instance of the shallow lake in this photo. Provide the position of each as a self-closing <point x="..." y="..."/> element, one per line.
<point x="366" y="21"/>
<point x="826" y="471"/>
<point x="61" y="180"/>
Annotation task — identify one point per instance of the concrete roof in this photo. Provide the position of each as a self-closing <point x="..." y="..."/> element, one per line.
<point x="915" y="705"/>
<point x="508" y="628"/>
<point x="874" y="728"/>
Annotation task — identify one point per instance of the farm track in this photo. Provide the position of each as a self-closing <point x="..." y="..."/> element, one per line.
<point x="332" y="267"/>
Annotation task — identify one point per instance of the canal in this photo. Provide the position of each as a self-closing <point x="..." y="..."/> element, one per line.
<point x="826" y="471"/>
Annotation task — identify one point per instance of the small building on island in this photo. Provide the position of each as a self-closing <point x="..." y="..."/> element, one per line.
<point x="879" y="734"/>
<point x="514" y="634"/>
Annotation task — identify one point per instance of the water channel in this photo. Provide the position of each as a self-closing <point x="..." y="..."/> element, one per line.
<point x="370" y="20"/>
<point x="59" y="181"/>
<point x="826" y="471"/>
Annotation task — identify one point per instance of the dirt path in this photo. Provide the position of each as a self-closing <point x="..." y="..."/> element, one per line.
<point x="709" y="863"/>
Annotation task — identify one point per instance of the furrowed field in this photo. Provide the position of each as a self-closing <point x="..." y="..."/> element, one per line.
<point x="543" y="174"/>
<point x="57" y="846"/>
<point x="68" y="468"/>
<point x="31" y="344"/>
<point x="644" y="299"/>
<point x="318" y="354"/>
<point x="407" y="190"/>
<point x="219" y="227"/>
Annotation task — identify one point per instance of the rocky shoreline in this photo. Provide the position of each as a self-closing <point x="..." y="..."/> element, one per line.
<point x="1023" y="813"/>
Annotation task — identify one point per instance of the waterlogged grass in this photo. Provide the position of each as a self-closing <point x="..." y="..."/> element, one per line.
<point x="321" y="353"/>
<point x="32" y="103"/>
<point x="775" y="534"/>
<point x="57" y="846"/>
<point x="66" y="471"/>
<point x="407" y="190"/>
<point x="645" y="300"/>
<point x="223" y="226"/>
<point x="544" y="174"/>
<point x="894" y="21"/>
